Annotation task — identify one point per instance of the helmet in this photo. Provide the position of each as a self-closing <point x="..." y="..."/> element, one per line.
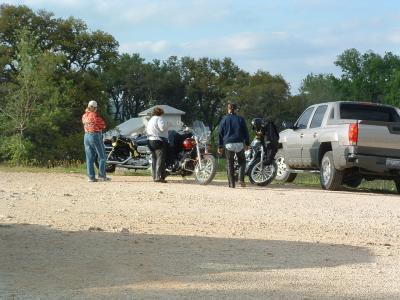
<point x="257" y="123"/>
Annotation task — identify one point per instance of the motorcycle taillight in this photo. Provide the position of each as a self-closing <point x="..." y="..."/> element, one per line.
<point x="188" y="144"/>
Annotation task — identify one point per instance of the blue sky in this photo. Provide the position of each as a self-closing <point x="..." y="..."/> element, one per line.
<point x="292" y="38"/>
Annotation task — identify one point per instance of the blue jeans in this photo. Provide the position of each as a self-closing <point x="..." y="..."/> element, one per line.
<point x="94" y="145"/>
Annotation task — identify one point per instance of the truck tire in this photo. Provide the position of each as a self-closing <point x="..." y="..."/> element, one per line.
<point x="397" y="183"/>
<point x="283" y="173"/>
<point x="353" y="182"/>
<point x="330" y="178"/>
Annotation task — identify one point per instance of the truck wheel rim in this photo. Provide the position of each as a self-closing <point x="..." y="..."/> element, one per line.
<point x="326" y="171"/>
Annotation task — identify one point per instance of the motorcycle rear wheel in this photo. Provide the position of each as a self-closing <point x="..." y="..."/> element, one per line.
<point x="261" y="175"/>
<point x="109" y="167"/>
<point x="206" y="173"/>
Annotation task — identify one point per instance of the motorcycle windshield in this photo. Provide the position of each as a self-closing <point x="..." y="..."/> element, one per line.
<point x="201" y="131"/>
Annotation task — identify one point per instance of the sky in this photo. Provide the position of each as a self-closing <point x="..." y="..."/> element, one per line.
<point x="292" y="38"/>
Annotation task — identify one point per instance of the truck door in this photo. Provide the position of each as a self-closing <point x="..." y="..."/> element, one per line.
<point x="311" y="143"/>
<point x="295" y="139"/>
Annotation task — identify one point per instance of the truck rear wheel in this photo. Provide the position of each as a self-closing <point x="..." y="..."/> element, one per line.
<point x="352" y="182"/>
<point x="397" y="183"/>
<point x="330" y="178"/>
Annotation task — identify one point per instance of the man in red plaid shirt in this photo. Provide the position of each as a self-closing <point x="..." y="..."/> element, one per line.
<point x="93" y="141"/>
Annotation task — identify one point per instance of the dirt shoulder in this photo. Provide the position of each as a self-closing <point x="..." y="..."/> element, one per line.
<point x="64" y="238"/>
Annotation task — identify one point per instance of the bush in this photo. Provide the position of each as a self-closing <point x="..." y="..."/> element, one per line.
<point x="16" y="150"/>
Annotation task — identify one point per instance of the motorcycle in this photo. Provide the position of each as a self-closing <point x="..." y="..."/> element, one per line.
<point x="188" y="154"/>
<point x="127" y="152"/>
<point x="261" y="167"/>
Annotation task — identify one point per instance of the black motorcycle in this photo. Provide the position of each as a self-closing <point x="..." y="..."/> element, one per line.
<point x="260" y="164"/>
<point x="127" y="152"/>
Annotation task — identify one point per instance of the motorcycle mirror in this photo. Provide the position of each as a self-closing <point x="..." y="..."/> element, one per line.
<point x="287" y="125"/>
<point x="180" y="123"/>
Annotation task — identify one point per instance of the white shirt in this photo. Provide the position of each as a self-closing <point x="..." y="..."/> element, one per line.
<point x="157" y="128"/>
<point x="234" y="147"/>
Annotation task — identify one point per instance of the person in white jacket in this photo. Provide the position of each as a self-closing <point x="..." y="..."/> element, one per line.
<point x="157" y="133"/>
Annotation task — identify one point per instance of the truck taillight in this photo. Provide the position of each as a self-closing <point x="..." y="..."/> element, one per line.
<point x="353" y="133"/>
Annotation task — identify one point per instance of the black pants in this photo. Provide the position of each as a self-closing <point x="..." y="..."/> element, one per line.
<point x="158" y="155"/>
<point x="230" y="169"/>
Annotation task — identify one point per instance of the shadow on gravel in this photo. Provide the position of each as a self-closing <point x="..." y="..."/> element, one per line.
<point x="38" y="261"/>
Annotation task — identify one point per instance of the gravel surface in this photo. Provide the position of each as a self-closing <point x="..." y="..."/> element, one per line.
<point x="64" y="238"/>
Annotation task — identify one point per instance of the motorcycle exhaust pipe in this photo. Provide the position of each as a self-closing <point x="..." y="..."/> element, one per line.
<point x="116" y="162"/>
<point x="113" y="162"/>
<point x="137" y="167"/>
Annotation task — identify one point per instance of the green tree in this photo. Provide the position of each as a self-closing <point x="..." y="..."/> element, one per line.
<point x="392" y="96"/>
<point x="27" y="96"/>
<point x="128" y="84"/>
<point x="168" y="85"/>
<point x="264" y="96"/>
<point x="320" y="88"/>
<point x="82" y="49"/>
<point x="208" y="84"/>
<point x="68" y="62"/>
<point x="368" y="76"/>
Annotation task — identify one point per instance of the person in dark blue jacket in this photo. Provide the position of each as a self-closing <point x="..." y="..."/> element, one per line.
<point x="233" y="137"/>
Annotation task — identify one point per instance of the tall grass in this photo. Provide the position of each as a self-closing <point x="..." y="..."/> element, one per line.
<point x="312" y="180"/>
<point x="59" y="166"/>
<point x="302" y="179"/>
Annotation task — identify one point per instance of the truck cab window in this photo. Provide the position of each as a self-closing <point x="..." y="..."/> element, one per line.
<point x="304" y="118"/>
<point x="367" y="112"/>
<point x="318" y="116"/>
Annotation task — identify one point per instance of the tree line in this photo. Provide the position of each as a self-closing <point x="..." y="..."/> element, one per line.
<point x="51" y="67"/>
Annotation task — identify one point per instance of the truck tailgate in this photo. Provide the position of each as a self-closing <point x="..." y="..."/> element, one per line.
<point x="378" y="138"/>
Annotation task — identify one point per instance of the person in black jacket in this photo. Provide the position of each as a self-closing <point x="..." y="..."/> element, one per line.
<point x="233" y="137"/>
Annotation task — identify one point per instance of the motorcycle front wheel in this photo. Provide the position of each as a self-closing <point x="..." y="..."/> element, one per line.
<point x="261" y="174"/>
<point x="206" y="173"/>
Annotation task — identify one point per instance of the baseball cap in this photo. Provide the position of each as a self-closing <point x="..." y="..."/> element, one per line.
<point x="92" y="103"/>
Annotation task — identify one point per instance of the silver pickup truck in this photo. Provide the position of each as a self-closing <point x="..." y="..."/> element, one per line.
<point x="345" y="142"/>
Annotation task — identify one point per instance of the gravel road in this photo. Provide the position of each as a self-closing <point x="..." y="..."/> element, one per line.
<point x="64" y="238"/>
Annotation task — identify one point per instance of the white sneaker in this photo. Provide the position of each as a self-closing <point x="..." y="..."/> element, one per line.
<point x="104" y="179"/>
<point x="92" y="180"/>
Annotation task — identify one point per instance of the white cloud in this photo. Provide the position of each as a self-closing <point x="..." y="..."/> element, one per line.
<point x="172" y="12"/>
<point x="393" y="37"/>
<point x="45" y="3"/>
<point x="140" y="13"/>
<point x="239" y="44"/>
<point x="242" y="42"/>
<point x="148" y="47"/>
